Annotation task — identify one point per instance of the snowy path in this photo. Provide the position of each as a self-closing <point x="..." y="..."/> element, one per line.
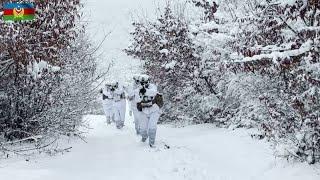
<point x="196" y="153"/>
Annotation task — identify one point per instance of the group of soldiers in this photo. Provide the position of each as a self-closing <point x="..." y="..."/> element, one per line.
<point x="145" y="103"/>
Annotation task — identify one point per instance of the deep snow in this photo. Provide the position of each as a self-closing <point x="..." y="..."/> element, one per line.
<point x="200" y="152"/>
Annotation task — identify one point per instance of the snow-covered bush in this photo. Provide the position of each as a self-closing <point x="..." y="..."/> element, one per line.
<point x="271" y="51"/>
<point x="283" y="44"/>
<point x="254" y="63"/>
<point x="46" y="73"/>
<point x="210" y="39"/>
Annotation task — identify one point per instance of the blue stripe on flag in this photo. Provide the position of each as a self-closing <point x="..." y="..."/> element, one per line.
<point x="18" y="5"/>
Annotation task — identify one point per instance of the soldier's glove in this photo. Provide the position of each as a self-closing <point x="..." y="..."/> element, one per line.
<point x="104" y="97"/>
<point x="139" y="106"/>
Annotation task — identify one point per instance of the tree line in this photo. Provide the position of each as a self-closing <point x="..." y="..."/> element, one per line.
<point x="239" y="63"/>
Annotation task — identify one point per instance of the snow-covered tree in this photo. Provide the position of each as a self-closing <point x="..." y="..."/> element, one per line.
<point x="254" y="63"/>
<point x="46" y="72"/>
<point x="169" y="57"/>
<point x="283" y="45"/>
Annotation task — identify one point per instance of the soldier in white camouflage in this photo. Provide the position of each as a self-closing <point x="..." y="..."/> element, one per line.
<point x="108" y="103"/>
<point x="150" y="104"/>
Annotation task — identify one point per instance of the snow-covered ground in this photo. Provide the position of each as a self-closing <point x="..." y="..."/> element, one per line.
<point x="199" y="152"/>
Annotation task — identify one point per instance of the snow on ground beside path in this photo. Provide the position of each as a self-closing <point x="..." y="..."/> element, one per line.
<point x="199" y="152"/>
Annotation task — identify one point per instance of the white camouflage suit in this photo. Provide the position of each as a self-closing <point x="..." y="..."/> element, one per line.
<point x="108" y="104"/>
<point x="149" y="116"/>
<point x="119" y="107"/>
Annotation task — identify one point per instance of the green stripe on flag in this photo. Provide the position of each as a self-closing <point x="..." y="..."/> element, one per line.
<point x="23" y="18"/>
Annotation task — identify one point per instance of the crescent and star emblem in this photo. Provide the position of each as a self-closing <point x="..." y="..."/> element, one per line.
<point x="18" y="12"/>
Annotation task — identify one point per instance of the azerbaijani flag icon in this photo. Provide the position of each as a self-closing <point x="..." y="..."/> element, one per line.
<point x="18" y="12"/>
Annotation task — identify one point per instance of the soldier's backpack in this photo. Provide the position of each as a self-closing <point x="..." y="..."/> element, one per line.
<point x="158" y="99"/>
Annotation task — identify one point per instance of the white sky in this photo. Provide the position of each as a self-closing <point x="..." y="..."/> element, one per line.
<point x="115" y="16"/>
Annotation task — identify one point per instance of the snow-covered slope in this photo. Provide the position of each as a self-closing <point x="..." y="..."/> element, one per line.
<point x="196" y="153"/>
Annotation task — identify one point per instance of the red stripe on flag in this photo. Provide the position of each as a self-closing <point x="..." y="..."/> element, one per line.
<point x="29" y="11"/>
<point x="8" y="12"/>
